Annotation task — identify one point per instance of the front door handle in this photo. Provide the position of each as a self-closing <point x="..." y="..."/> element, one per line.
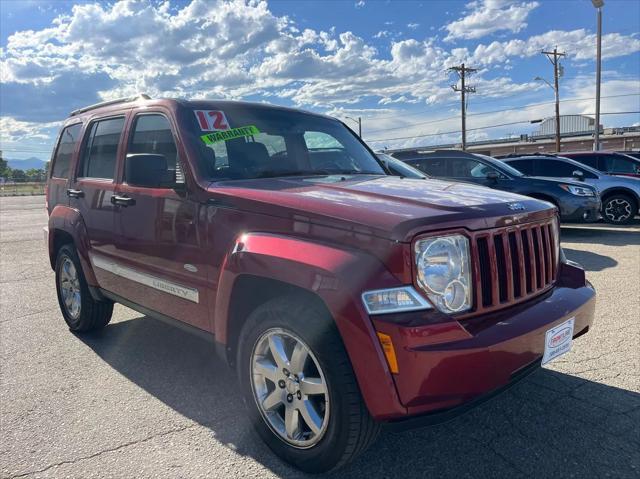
<point x="75" y="193"/>
<point x="122" y="201"/>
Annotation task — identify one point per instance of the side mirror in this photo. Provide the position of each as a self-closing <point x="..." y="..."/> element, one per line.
<point x="492" y="175"/>
<point x="148" y="170"/>
<point x="578" y="175"/>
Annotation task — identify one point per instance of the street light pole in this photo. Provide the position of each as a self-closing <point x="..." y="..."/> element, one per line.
<point x="596" y="136"/>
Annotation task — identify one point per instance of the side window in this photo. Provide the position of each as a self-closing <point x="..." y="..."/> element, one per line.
<point x="468" y="168"/>
<point x="101" y="149"/>
<point x="620" y="164"/>
<point x="431" y="166"/>
<point x="556" y="168"/>
<point x="589" y="160"/>
<point x="523" y="166"/>
<point x="67" y="143"/>
<point x="152" y="134"/>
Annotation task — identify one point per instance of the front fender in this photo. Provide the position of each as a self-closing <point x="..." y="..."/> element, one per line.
<point x="338" y="277"/>
<point x="68" y="220"/>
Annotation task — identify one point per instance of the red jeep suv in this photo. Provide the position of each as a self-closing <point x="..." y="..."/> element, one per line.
<point x="345" y="298"/>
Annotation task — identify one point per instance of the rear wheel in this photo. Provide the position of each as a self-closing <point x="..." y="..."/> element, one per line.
<point x="299" y="386"/>
<point x="80" y="311"/>
<point x="619" y="209"/>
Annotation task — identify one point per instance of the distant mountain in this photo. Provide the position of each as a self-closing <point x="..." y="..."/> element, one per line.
<point x="27" y="164"/>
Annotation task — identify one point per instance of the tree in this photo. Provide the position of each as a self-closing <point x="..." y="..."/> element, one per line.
<point x="18" y="174"/>
<point x="5" y="171"/>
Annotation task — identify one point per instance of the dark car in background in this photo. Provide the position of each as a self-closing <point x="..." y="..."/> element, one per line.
<point x="620" y="195"/>
<point x="575" y="200"/>
<point x="400" y="168"/>
<point x="609" y="162"/>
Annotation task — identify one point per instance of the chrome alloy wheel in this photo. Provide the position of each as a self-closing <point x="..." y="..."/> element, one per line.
<point x="618" y="210"/>
<point x="70" y="288"/>
<point x="289" y="388"/>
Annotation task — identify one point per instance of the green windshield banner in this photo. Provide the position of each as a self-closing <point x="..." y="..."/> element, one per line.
<point x="218" y="136"/>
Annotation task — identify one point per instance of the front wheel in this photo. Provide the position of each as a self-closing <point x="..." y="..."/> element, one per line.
<point x="80" y="311"/>
<point x="300" y="389"/>
<point x="619" y="209"/>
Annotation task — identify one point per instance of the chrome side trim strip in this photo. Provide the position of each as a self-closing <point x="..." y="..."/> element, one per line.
<point x="184" y="292"/>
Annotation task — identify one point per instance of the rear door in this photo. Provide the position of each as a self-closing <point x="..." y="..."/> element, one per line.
<point x="67" y="145"/>
<point x="92" y="188"/>
<point x="160" y="255"/>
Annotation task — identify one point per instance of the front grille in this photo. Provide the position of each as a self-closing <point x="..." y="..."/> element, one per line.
<point x="512" y="264"/>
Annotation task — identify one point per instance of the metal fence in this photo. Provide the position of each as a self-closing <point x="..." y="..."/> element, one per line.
<point x="21" y="187"/>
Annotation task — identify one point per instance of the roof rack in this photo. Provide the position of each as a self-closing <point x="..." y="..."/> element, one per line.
<point x="142" y="96"/>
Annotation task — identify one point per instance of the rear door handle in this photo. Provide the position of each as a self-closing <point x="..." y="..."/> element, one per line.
<point x="122" y="201"/>
<point x="75" y="193"/>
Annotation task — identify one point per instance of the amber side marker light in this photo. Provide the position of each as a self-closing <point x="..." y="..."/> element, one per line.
<point x="389" y="351"/>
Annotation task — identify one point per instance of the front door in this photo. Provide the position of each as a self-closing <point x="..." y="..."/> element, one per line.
<point x="159" y="247"/>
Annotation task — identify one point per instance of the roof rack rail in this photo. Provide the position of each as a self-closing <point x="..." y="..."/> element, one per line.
<point x="142" y="96"/>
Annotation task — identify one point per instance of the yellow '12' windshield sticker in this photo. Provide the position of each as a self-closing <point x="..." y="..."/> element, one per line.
<point x="218" y="136"/>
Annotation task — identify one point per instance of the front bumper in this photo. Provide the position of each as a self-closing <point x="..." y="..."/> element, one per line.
<point x="580" y="209"/>
<point x="446" y="365"/>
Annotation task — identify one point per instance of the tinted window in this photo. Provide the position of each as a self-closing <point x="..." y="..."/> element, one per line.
<point x="101" y="149"/>
<point x="468" y="168"/>
<point x="589" y="160"/>
<point x="152" y="134"/>
<point x="620" y="164"/>
<point x="558" y="169"/>
<point x="524" y="166"/>
<point x="64" y="151"/>
<point x="431" y="166"/>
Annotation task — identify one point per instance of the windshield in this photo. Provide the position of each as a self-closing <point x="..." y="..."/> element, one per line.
<point x="501" y="165"/>
<point x="250" y="141"/>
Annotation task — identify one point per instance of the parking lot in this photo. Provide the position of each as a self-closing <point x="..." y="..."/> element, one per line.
<point x="142" y="399"/>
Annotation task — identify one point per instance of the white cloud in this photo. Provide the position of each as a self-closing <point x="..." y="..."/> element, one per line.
<point x="235" y="49"/>
<point x="413" y="26"/>
<point x="484" y="17"/>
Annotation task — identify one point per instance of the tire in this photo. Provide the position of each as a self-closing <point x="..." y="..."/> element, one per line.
<point x="348" y="430"/>
<point x="81" y="312"/>
<point x="619" y="209"/>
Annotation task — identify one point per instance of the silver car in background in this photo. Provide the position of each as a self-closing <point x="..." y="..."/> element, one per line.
<point x="620" y="194"/>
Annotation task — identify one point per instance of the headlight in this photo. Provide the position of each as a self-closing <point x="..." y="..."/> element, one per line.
<point x="443" y="272"/>
<point x="578" y="190"/>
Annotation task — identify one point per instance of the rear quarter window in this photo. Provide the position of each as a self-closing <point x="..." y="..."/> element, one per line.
<point x="64" y="151"/>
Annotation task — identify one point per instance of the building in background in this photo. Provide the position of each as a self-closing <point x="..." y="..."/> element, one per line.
<point x="568" y="124"/>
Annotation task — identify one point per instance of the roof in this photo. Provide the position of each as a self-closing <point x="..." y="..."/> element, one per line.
<point x="196" y="104"/>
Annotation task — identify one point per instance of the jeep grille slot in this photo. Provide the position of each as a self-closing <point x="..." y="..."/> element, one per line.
<point x="513" y="264"/>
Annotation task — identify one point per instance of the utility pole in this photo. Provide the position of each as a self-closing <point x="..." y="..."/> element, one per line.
<point x="554" y="58"/>
<point x="462" y="72"/>
<point x="598" y="4"/>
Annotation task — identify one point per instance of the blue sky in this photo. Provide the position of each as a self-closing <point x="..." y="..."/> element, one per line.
<point x="385" y="61"/>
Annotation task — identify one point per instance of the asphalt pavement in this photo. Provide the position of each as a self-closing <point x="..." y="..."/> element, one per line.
<point x="143" y="399"/>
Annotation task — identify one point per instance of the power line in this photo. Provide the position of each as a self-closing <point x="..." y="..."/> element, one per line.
<point x="532" y="105"/>
<point x="485" y="127"/>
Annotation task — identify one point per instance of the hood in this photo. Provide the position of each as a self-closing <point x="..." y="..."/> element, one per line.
<point x="386" y="206"/>
<point x="557" y="181"/>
